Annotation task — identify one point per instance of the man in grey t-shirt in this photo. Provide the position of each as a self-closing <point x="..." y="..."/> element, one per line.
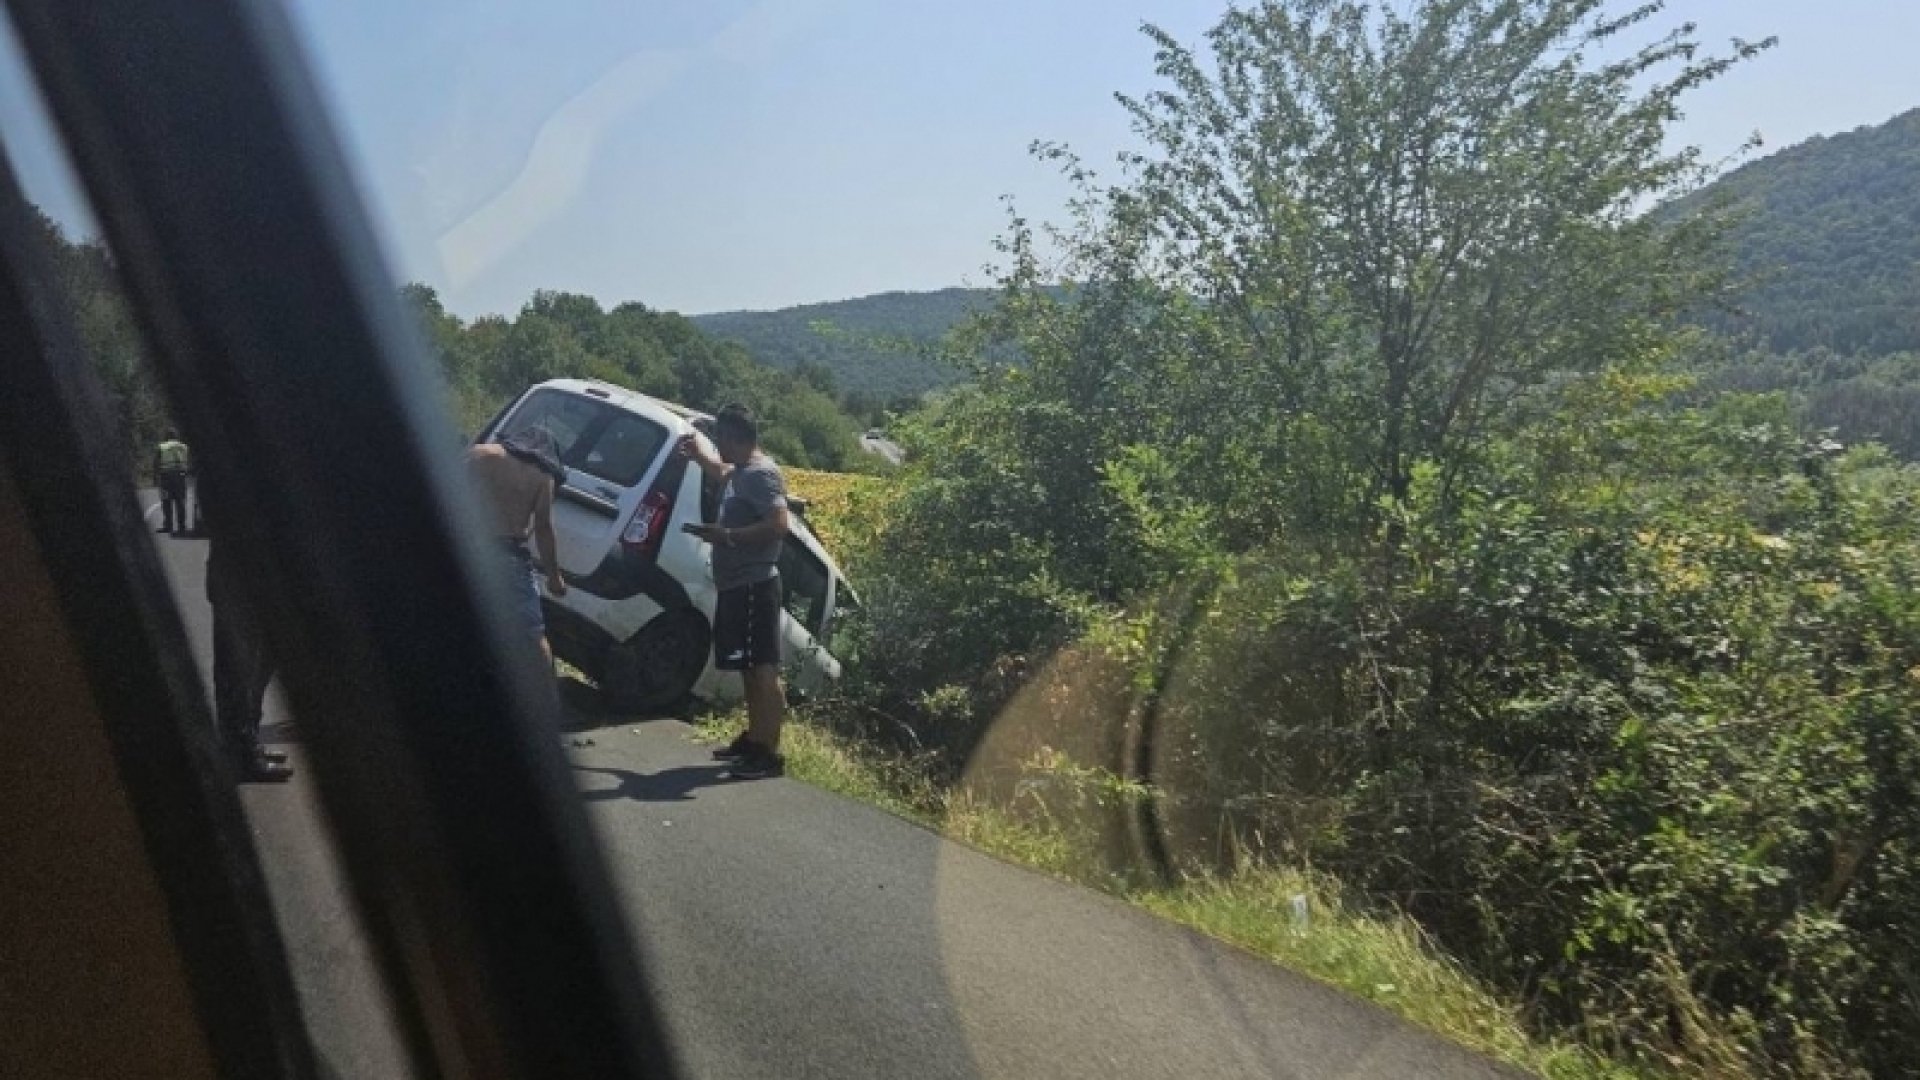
<point x="746" y="573"/>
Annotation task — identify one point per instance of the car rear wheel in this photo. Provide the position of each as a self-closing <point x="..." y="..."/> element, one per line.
<point x="655" y="670"/>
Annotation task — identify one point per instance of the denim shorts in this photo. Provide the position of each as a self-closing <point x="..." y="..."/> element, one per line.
<point x="526" y="595"/>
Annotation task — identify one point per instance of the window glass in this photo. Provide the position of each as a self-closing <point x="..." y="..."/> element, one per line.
<point x="803" y="582"/>
<point x="622" y="450"/>
<point x="564" y="416"/>
<point x="1479" y="521"/>
<point x="118" y="983"/>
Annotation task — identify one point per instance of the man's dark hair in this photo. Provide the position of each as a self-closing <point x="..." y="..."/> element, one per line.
<point x="736" y="423"/>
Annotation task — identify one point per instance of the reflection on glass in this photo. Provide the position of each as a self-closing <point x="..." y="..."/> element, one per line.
<point x="1436" y="514"/>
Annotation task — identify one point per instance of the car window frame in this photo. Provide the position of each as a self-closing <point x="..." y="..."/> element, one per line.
<point x="817" y="621"/>
<point x="509" y="423"/>
<point x="615" y="415"/>
<point x="604" y="415"/>
<point x="204" y="147"/>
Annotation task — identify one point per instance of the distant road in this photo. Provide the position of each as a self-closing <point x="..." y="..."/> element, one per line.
<point x="794" y="934"/>
<point x="886" y="448"/>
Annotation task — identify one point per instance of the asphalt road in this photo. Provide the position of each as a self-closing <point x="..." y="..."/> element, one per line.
<point x="886" y="448"/>
<point x="795" y="934"/>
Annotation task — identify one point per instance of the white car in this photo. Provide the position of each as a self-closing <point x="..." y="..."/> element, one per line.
<point x="638" y="614"/>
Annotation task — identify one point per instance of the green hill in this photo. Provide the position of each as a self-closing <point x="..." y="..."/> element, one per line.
<point x="1829" y="244"/>
<point x="1826" y="248"/>
<point x="489" y="360"/>
<point x="874" y="346"/>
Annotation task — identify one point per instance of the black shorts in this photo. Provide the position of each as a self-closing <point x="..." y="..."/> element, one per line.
<point x="746" y="626"/>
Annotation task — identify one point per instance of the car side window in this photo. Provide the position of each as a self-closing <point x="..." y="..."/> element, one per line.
<point x="803" y="581"/>
<point x="622" y="451"/>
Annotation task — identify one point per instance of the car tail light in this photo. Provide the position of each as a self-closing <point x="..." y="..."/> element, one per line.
<point x="649" y="523"/>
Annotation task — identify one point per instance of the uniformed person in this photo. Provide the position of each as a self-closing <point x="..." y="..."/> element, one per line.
<point x="171" y="463"/>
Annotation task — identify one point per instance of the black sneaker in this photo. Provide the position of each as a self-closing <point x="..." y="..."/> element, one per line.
<point x="740" y="747"/>
<point x="758" y="764"/>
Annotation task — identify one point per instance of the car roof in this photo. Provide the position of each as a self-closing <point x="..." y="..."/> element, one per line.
<point x="663" y="412"/>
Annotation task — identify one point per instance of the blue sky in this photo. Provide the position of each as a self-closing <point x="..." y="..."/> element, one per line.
<point x="702" y="155"/>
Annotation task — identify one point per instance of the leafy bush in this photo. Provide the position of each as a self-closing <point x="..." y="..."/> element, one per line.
<point x="1388" y="545"/>
<point x="1626" y="723"/>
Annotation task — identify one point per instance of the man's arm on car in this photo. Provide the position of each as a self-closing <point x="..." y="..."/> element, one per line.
<point x="709" y="463"/>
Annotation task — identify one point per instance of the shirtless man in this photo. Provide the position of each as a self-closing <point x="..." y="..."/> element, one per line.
<point x="518" y="474"/>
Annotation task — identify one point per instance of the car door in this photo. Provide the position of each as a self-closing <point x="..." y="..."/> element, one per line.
<point x="609" y="453"/>
<point x="807" y="594"/>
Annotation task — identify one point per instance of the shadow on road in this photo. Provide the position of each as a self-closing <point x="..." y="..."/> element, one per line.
<point x="668" y="785"/>
<point x="582" y="709"/>
<point x="580" y="706"/>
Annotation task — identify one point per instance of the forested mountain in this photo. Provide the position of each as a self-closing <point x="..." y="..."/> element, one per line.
<point x="873" y="347"/>
<point x="1860" y="397"/>
<point x="488" y="360"/>
<point x="1829" y="242"/>
<point x="1826" y="248"/>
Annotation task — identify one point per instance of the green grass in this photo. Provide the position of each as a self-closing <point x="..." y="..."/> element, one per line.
<point x="1382" y="958"/>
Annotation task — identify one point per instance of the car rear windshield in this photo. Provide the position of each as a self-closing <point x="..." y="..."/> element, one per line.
<point x="598" y="439"/>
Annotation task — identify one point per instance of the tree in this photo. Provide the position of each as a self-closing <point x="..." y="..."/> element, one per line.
<point x="440" y="329"/>
<point x="818" y="376"/>
<point x="536" y="349"/>
<point x="108" y="336"/>
<point x="1409" y="220"/>
<point x="487" y="362"/>
<point x="1350" y="484"/>
<point x="577" y="312"/>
